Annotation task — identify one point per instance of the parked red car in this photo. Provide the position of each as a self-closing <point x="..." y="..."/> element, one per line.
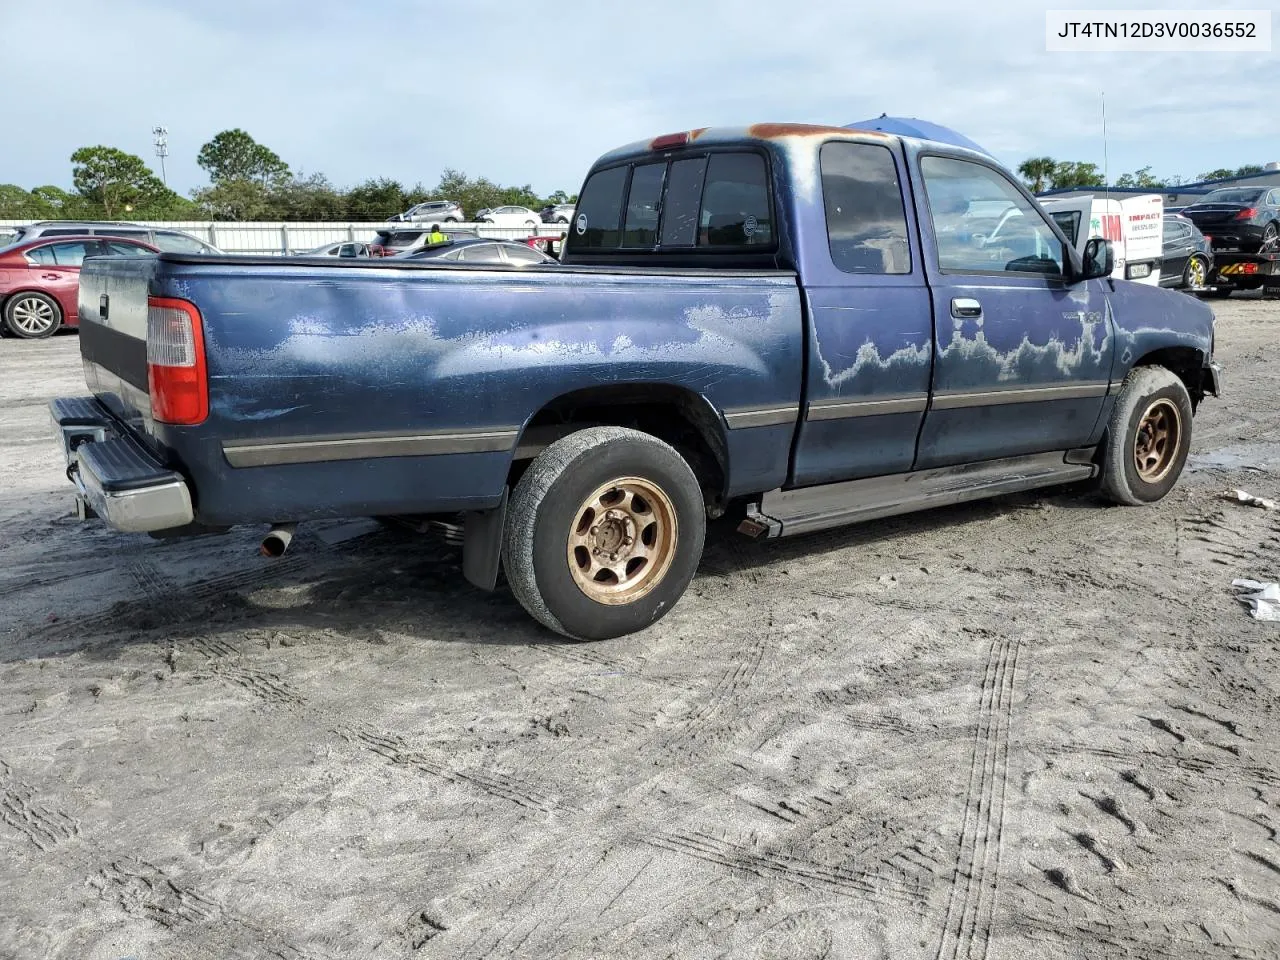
<point x="40" y="280"/>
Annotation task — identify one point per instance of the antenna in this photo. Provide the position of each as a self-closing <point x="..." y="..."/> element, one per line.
<point x="1106" y="176"/>
<point x="162" y="149"/>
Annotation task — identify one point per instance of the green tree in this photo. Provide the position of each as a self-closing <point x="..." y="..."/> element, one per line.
<point x="116" y="182"/>
<point x="235" y="200"/>
<point x="1037" y="172"/>
<point x="1248" y="168"/>
<point x="307" y="198"/>
<point x="233" y="155"/>
<point x="1139" y="178"/>
<point x="1068" y="174"/>
<point x="1219" y="174"/>
<point x="376" y="199"/>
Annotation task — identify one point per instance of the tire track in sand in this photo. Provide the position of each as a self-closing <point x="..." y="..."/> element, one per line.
<point x="966" y="931"/>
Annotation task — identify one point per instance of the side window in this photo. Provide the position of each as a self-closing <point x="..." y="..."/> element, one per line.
<point x="118" y="249"/>
<point x="641" y="226"/>
<point x="178" y="243"/>
<point x="735" y="202"/>
<point x="680" y="207"/>
<point x="42" y="256"/>
<point x="63" y="233"/>
<point x="481" y="253"/>
<point x="599" y="212"/>
<point x="866" y="216"/>
<point x="70" y="254"/>
<point x="1171" y="232"/>
<point x="1021" y="243"/>
<point x="1068" y="222"/>
<point x="522" y="254"/>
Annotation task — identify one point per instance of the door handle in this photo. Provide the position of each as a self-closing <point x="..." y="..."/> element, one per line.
<point x="965" y="307"/>
<point x="50" y="276"/>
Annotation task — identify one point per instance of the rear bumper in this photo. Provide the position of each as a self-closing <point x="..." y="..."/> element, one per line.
<point x="115" y="477"/>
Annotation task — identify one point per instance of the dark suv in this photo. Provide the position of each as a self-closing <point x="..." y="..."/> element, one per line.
<point x="1238" y="218"/>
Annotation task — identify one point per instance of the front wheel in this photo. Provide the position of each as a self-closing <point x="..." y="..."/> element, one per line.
<point x="32" y="315"/>
<point x="1148" y="437"/>
<point x="603" y="533"/>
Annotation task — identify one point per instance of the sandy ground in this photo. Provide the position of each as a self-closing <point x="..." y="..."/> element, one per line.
<point x="1038" y="727"/>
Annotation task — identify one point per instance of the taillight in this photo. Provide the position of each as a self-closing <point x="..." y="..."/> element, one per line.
<point x="1247" y="214"/>
<point x="177" y="376"/>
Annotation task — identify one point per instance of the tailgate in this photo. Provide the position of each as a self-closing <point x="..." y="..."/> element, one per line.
<point x="113" y="338"/>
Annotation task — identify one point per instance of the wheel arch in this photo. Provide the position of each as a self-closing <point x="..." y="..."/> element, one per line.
<point x="1186" y="363"/>
<point x="684" y="418"/>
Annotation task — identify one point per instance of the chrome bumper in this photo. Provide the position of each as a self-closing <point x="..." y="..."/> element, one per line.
<point x="116" y="478"/>
<point x="1213" y="379"/>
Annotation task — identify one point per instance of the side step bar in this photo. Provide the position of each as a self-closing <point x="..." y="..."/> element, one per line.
<point x="785" y="513"/>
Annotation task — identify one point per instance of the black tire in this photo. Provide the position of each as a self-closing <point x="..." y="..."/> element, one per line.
<point x="452" y="220"/>
<point x="32" y="315"/>
<point x="548" y="503"/>
<point x="1269" y="234"/>
<point x="561" y="220"/>
<point x="531" y="223"/>
<point x="1188" y="281"/>
<point x="1147" y="392"/>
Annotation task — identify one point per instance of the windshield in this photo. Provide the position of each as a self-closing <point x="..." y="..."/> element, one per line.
<point x="1234" y="195"/>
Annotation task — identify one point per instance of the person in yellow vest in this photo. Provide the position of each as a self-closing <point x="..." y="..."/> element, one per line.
<point x="435" y="236"/>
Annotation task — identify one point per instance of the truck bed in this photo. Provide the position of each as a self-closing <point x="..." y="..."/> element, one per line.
<point x="360" y="388"/>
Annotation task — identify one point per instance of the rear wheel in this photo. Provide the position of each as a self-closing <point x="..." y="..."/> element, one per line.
<point x="32" y="315"/>
<point x="1197" y="272"/>
<point x="1148" y="437"/>
<point x="1269" y="234"/>
<point x="603" y="534"/>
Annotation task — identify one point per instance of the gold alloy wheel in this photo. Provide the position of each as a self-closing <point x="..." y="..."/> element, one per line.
<point x="622" y="541"/>
<point x="1156" y="445"/>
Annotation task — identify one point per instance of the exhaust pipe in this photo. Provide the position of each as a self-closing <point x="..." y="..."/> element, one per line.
<point x="277" y="540"/>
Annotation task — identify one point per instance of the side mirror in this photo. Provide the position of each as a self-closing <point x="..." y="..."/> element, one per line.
<point x="1099" y="259"/>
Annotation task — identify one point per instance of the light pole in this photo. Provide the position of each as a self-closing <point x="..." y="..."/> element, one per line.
<point x="162" y="149"/>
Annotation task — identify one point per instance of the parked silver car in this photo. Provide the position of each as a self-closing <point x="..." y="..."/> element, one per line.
<point x="343" y="248"/>
<point x="168" y="240"/>
<point x="560" y="213"/>
<point x="434" y="211"/>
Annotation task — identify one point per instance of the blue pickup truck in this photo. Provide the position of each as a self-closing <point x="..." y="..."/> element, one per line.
<point x="788" y="326"/>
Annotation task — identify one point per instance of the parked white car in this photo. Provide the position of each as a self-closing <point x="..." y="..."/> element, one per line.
<point x="511" y="217"/>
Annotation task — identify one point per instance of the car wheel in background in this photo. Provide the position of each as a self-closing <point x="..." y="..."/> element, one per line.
<point x="1148" y="437"/>
<point x="1196" y="274"/>
<point x="562" y="220"/>
<point x="603" y="533"/>
<point x="531" y="223"/>
<point x="452" y="220"/>
<point x="32" y="315"/>
<point x="1269" y="234"/>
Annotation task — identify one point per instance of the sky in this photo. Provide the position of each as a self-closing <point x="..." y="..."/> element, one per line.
<point x="523" y="92"/>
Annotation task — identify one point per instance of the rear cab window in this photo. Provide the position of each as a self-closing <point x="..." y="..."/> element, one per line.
<point x="865" y="211"/>
<point x="716" y="202"/>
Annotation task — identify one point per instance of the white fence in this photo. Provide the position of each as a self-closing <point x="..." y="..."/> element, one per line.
<point x="265" y="237"/>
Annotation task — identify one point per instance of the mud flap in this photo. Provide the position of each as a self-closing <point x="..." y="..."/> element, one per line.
<point x="482" y="544"/>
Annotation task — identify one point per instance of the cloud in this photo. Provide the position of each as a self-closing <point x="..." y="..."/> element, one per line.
<point x="523" y="92"/>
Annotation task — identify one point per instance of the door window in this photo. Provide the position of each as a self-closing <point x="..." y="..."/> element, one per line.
<point x="1021" y="241"/>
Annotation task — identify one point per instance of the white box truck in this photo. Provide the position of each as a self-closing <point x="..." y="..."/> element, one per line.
<point x="1134" y="225"/>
